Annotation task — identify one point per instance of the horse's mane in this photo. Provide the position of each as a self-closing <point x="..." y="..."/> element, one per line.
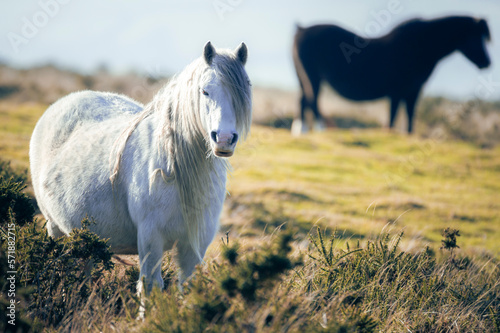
<point x="183" y="143"/>
<point x="453" y="25"/>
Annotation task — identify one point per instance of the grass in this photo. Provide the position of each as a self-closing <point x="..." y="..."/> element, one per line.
<point x="16" y="125"/>
<point x="311" y="240"/>
<point x="353" y="180"/>
<point x="361" y="181"/>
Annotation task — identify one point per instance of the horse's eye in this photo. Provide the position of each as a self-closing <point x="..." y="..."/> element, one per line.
<point x="204" y="92"/>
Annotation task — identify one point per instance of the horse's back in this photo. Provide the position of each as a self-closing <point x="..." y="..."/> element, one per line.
<point x="70" y="149"/>
<point x="78" y="110"/>
<point x="354" y="66"/>
<point x="84" y="108"/>
<point x="363" y="68"/>
<point x="320" y="42"/>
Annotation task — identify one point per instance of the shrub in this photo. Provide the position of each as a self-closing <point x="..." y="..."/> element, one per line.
<point x="12" y="184"/>
<point x="7" y="172"/>
<point x="375" y="287"/>
<point x="221" y="299"/>
<point x="59" y="270"/>
<point x="20" y="295"/>
<point x="15" y="210"/>
<point x="55" y="277"/>
<point x="14" y="202"/>
<point x="398" y="291"/>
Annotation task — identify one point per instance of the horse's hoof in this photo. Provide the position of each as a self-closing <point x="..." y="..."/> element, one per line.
<point x="298" y="127"/>
<point x="319" y="126"/>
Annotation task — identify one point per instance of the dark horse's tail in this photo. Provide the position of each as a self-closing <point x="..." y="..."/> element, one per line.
<point x="305" y="83"/>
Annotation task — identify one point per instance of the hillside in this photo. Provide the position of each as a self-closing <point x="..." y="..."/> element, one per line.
<point x="357" y="181"/>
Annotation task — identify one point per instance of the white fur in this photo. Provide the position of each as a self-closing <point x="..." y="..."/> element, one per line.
<point x="165" y="185"/>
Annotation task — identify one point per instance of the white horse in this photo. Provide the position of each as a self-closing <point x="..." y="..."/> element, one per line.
<point x="151" y="176"/>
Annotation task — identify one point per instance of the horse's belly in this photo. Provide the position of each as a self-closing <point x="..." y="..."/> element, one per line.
<point x="358" y="88"/>
<point x="124" y="248"/>
<point x="75" y="184"/>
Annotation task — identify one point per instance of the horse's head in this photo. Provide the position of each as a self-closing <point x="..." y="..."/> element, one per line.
<point x="473" y="46"/>
<point x="225" y="98"/>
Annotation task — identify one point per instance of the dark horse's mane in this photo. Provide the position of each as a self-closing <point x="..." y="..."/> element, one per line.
<point x="395" y="65"/>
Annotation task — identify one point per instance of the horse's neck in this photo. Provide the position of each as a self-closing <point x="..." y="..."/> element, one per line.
<point x="442" y="39"/>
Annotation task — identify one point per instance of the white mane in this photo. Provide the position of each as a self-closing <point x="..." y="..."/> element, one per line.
<point x="182" y="139"/>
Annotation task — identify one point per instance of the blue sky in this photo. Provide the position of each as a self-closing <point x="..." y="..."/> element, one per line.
<point x="161" y="37"/>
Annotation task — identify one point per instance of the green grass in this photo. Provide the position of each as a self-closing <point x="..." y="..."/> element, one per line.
<point x="363" y="180"/>
<point x="16" y="125"/>
<point x="359" y="181"/>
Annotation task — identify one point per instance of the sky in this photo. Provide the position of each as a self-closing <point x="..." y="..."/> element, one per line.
<point x="161" y="37"/>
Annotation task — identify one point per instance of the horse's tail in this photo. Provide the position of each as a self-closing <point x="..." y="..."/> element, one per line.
<point x="304" y="80"/>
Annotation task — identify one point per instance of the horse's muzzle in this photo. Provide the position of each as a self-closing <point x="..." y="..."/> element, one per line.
<point x="223" y="153"/>
<point x="223" y="143"/>
<point x="484" y="64"/>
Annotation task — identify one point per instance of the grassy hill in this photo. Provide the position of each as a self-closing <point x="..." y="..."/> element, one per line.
<point x="359" y="181"/>
<point x="360" y="186"/>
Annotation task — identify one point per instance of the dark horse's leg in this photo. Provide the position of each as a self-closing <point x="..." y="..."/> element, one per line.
<point x="299" y="125"/>
<point x="309" y="85"/>
<point x="319" y="122"/>
<point x="303" y="104"/>
<point x="312" y="102"/>
<point x="394" y="110"/>
<point x="411" y="100"/>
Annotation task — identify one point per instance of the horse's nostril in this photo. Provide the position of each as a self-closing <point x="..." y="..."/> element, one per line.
<point x="235" y="138"/>
<point x="213" y="135"/>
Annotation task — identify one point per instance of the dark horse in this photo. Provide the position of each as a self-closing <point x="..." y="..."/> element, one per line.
<point x="395" y="65"/>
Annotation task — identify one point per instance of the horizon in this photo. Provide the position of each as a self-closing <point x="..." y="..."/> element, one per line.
<point x="158" y="38"/>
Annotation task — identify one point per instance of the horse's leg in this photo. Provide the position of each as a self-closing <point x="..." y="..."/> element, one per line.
<point x="411" y="100"/>
<point x="150" y="246"/>
<point x="187" y="259"/>
<point x="319" y="122"/>
<point x="53" y="230"/>
<point x="299" y="125"/>
<point x="309" y="85"/>
<point x="394" y="110"/>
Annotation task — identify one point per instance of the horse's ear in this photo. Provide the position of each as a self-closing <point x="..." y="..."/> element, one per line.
<point x="242" y="53"/>
<point x="209" y="53"/>
<point x="483" y="26"/>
